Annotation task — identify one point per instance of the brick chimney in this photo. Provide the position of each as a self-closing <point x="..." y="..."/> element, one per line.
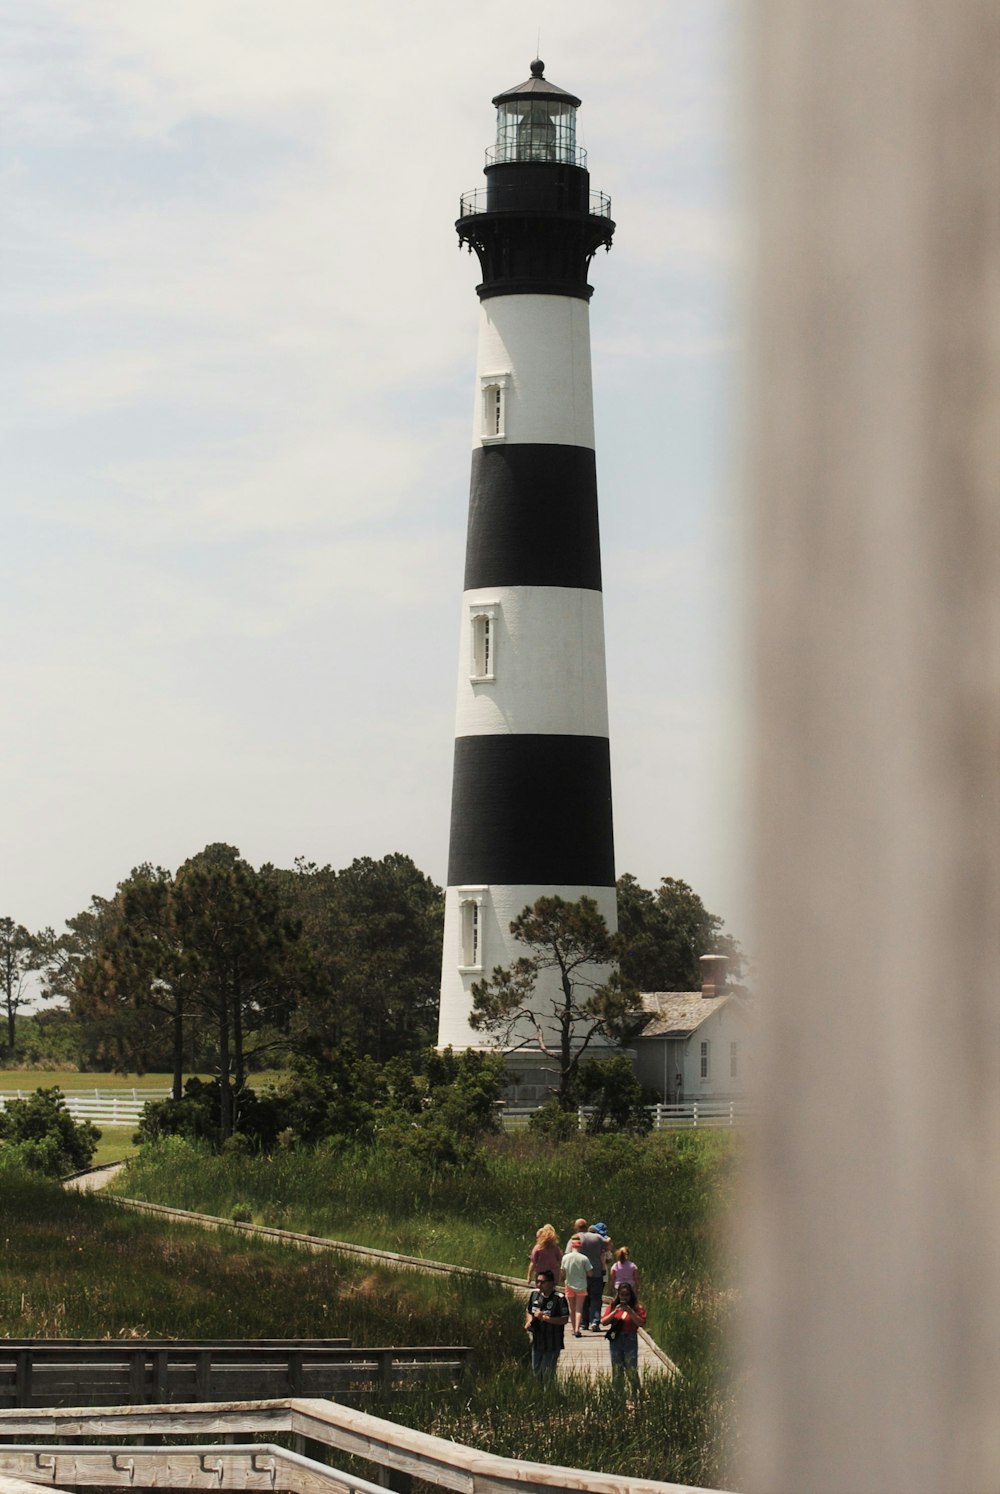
<point x="713" y="975"/>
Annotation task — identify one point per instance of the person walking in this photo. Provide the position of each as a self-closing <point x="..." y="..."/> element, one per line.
<point x="546" y="1254"/>
<point x="594" y="1246"/>
<point x="622" y="1319"/>
<point x="624" y="1270"/>
<point x="576" y="1274"/>
<point x="545" y="1318"/>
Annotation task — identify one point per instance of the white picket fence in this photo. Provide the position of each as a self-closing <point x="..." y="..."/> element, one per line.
<point x="105" y="1107"/>
<point x="692" y="1115"/>
<point x="122" y="1107"/>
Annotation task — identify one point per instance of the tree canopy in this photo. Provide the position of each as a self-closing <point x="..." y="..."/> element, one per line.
<point x="663" y="935"/>
<point x="21" y="955"/>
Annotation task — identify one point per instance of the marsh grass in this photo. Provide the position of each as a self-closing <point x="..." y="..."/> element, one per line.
<point x="662" y="1196"/>
<point x="670" y="1430"/>
<point x="80" y="1268"/>
<point x="70" y="1266"/>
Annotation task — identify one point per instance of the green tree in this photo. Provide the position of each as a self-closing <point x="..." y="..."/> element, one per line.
<point x="663" y="935"/>
<point x="40" y="1134"/>
<point x="21" y="955"/>
<point x="617" y="1100"/>
<point x="373" y="936"/>
<point x="234" y="938"/>
<point x="562" y="1018"/>
<point x="128" y="985"/>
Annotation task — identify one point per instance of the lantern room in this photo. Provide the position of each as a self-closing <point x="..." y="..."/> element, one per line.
<point x="536" y="121"/>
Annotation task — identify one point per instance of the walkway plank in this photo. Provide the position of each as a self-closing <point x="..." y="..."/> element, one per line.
<point x="590" y="1357"/>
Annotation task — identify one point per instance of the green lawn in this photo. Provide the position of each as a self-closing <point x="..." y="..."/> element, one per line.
<point x="71" y="1081"/>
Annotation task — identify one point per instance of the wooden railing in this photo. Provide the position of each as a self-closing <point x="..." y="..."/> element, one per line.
<point x="139" y="1372"/>
<point x="399" y="1452"/>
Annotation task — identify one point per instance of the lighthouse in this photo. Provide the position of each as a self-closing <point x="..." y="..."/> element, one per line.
<point x="531" y="794"/>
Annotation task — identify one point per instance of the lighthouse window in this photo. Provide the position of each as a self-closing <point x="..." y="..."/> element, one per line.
<point x="482" y="665"/>
<point x="494" y="408"/>
<point x="536" y="130"/>
<point x="470" y="925"/>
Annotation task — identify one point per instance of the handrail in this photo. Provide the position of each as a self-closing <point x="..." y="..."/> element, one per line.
<point x="485" y="200"/>
<point x="159" y="1373"/>
<point x="433" y="1459"/>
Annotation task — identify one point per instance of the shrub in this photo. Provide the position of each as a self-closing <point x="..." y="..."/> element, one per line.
<point x="197" y="1116"/>
<point x="39" y="1134"/>
<point x="618" y="1099"/>
<point x="552" y="1121"/>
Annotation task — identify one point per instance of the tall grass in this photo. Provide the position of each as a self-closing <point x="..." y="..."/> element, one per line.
<point x="70" y="1266"/>
<point x="662" y="1197"/>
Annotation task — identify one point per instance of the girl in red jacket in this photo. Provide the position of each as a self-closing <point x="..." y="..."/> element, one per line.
<point x="623" y="1317"/>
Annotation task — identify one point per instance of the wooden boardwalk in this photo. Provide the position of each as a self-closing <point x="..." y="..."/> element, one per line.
<point x="589" y="1356"/>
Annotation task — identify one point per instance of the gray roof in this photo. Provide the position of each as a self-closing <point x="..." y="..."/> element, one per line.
<point x="538" y="87"/>
<point x="677" y="1013"/>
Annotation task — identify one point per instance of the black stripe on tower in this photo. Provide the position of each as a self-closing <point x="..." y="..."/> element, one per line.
<point x="533" y="518"/>
<point x="531" y="810"/>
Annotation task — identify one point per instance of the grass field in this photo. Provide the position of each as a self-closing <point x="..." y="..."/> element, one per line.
<point x="70" y="1080"/>
<point x="115" y="1145"/>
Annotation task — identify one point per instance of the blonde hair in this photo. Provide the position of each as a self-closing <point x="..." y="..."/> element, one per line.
<point x="622" y="1254"/>
<point x="546" y="1235"/>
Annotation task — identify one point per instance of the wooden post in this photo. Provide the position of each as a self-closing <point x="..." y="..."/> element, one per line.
<point x="203" y="1375"/>
<point x="22" y="1378"/>
<point x="873" y="418"/>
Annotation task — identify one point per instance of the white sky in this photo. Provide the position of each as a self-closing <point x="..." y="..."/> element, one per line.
<point x="238" y="360"/>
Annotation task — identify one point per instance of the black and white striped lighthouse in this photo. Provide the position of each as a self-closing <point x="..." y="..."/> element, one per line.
<point x="531" y="796"/>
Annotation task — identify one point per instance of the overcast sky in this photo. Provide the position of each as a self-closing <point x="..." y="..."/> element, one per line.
<point x="238" y="361"/>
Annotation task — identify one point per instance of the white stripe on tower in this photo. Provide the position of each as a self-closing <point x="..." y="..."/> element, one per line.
<point x="531" y="799"/>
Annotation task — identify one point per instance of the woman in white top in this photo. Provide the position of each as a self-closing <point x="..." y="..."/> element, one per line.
<point x="575" y="1270"/>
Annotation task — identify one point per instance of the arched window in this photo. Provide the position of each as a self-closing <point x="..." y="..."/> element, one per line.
<point x="470" y="907"/>
<point x="494" y="408"/>
<point x="482" y="663"/>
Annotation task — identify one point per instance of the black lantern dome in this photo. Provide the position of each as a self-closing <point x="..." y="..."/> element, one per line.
<point x="537" y="225"/>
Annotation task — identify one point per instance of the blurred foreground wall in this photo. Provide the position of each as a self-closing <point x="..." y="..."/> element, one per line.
<point x="873" y="417"/>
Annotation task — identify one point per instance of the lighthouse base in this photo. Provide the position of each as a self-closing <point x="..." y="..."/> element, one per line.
<point x="533" y="1077"/>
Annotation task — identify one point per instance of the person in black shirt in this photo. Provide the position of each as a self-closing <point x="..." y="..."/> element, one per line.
<point x="544" y="1319"/>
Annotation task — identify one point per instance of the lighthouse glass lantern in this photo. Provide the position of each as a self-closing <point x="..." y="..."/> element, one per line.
<point x="536" y="122"/>
<point x="531" y="787"/>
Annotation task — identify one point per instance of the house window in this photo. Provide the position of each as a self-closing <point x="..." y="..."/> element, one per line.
<point x="494" y="407"/>
<point x="704" y="1059"/>
<point x="470" y="907"/>
<point x="482" y="664"/>
<point x="734" y="1060"/>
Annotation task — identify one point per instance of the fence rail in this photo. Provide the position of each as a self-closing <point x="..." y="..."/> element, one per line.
<point x="108" y="1373"/>
<point x="695" y="1115"/>
<point x="399" y="1451"/>
<point x="105" y="1107"/>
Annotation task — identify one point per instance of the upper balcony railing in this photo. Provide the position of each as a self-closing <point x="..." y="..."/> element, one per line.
<point x="513" y="150"/>
<point x="485" y="200"/>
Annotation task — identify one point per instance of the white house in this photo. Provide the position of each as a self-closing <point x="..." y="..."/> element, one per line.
<point x="696" y="1045"/>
